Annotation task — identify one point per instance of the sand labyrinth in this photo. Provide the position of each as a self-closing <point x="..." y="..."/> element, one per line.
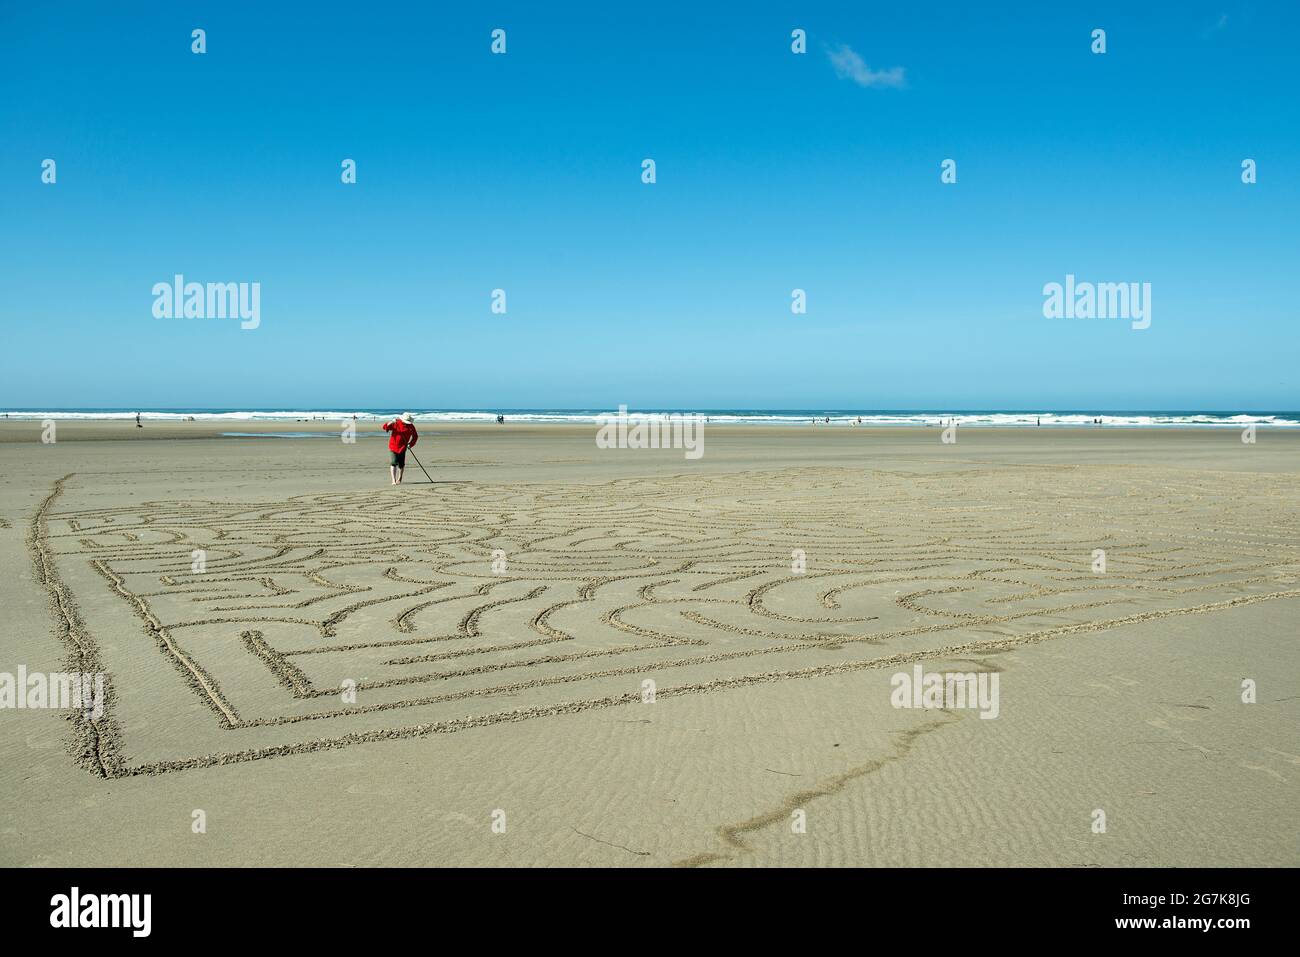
<point x="688" y="581"/>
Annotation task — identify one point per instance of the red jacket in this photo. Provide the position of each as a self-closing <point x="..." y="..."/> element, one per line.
<point x="403" y="437"/>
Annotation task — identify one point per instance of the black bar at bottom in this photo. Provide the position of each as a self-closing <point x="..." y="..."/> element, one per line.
<point x="584" y="907"/>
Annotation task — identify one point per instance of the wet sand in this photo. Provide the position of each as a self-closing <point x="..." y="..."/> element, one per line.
<point x="499" y="625"/>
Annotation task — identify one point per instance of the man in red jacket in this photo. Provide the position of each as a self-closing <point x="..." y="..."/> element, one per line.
<point x="404" y="436"/>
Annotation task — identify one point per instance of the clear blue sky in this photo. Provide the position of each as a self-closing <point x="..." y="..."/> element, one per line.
<point x="774" y="172"/>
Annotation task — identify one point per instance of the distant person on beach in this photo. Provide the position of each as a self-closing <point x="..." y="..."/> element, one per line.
<point x="404" y="436"/>
<point x="137" y="421"/>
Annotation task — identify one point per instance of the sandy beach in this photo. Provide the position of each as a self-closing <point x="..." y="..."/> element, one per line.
<point x="455" y="672"/>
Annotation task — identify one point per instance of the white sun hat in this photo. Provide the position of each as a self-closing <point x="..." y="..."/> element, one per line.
<point x="406" y="417"/>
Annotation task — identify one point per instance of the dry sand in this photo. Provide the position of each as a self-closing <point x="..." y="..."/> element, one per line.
<point x="522" y="691"/>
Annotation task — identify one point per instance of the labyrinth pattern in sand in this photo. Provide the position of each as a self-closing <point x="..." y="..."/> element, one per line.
<point x="689" y="581"/>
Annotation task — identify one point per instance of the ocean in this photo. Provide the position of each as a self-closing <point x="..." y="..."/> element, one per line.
<point x="999" y="418"/>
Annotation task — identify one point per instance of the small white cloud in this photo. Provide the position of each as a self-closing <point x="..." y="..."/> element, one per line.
<point x="849" y="66"/>
<point x="1218" y="26"/>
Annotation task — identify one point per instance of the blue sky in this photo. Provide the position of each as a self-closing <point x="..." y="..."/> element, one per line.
<point x="775" y="172"/>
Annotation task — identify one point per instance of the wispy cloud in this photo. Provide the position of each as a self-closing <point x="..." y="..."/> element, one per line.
<point x="849" y="66"/>
<point x="1218" y="26"/>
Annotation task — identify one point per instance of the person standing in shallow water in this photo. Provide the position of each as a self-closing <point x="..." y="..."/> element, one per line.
<point x="403" y="437"/>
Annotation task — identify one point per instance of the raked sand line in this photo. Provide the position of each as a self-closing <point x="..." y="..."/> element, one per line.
<point x="630" y="568"/>
<point x="575" y="707"/>
<point x="96" y="742"/>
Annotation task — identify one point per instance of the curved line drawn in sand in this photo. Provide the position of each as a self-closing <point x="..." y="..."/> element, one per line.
<point x="732" y="836"/>
<point x="95" y="741"/>
<point x="683" y="578"/>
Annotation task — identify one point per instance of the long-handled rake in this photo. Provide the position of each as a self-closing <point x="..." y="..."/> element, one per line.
<point x="421" y="464"/>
